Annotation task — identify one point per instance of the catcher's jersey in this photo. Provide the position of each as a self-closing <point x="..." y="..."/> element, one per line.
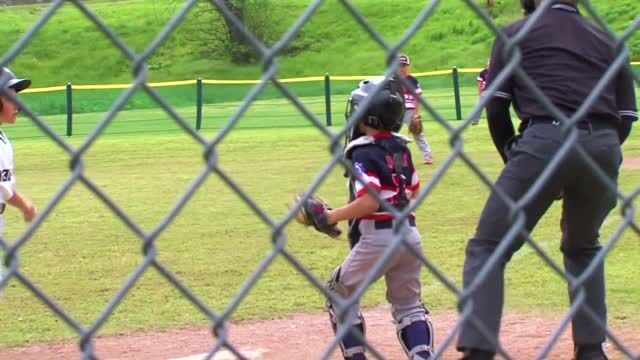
<point x="409" y="99"/>
<point x="374" y="166"/>
<point x="7" y="176"/>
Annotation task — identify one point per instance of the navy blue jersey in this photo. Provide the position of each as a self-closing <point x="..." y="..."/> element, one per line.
<point x="374" y="166"/>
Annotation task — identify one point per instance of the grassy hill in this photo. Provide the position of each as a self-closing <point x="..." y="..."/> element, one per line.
<point x="70" y="48"/>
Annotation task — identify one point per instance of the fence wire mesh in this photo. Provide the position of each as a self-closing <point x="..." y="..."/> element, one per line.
<point x="268" y="56"/>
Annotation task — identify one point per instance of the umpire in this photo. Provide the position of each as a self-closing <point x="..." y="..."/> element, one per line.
<point x="565" y="56"/>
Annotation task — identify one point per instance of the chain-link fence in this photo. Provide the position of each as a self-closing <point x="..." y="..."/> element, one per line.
<point x="269" y="59"/>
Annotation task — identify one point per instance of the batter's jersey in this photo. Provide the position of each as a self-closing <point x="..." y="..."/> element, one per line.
<point x="409" y="99"/>
<point x="374" y="166"/>
<point x="7" y="176"/>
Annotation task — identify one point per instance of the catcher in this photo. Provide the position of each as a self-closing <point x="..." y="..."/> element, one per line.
<point x="412" y="116"/>
<point x="382" y="164"/>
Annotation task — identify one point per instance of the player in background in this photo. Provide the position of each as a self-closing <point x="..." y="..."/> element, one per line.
<point x="482" y="79"/>
<point x="482" y="84"/>
<point x="413" y="108"/>
<point x="10" y="85"/>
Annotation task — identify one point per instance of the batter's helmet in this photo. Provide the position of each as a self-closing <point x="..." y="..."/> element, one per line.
<point x="9" y="81"/>
<point x="384" y="111"/>
<point x="13" y="82"/>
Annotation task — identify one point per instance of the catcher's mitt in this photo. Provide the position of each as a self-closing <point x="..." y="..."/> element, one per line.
<point x="415" y="127"/>
<point x="314" y="212"/>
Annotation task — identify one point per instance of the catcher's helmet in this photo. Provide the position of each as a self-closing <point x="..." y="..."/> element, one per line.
<point x="385" y="110"/>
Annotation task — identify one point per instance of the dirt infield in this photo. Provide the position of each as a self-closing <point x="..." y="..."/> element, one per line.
<point x="304" y="336"/>
<point x="631" y="163"/>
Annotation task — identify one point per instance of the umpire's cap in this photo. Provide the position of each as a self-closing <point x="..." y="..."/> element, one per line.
<point x="13" y="82"/>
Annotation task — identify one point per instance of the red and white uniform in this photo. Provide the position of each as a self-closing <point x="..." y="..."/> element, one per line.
<point x="409" y="99"/>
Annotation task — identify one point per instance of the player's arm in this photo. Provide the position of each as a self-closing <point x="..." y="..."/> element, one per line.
<point x="413" y="183"/>
<point x="361" y="206"/>
<point x="626" y="102"/>
<point x="498" y="115"/>
<point x="365" y="178"/>
<point x="500" y="125"/>
<point x="22" y="203"/>
<point x="419" y="93"/>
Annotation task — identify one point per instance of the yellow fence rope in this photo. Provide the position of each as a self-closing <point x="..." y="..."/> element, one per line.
<point x="240" y="82"/>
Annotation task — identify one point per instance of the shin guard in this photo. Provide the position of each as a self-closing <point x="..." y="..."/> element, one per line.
<point x="415" y="334"/>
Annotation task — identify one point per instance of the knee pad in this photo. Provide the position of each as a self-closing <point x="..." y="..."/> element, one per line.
<point x="334" y="285"/>
<point x="415" y="334"/>
<point x="352" y="344"/>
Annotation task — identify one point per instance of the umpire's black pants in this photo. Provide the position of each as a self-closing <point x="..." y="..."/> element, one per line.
<point x="587" y="201"/>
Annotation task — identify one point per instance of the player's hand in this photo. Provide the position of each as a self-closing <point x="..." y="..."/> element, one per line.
<point x="313" y="212"/>
<point x="29" y="212"/>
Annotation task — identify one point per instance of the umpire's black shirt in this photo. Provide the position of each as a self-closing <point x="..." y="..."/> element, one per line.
<point x="565" y="55"/>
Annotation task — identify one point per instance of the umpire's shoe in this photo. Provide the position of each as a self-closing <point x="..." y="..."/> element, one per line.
<point x="589" y="352"/>
<point x="477" y="354"/>
<point x="358" y="356"/>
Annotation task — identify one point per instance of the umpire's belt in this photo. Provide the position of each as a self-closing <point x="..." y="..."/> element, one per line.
<point x="2" y="207"/>
<point x="584" y="124"/>
<point x="388" y="224"/>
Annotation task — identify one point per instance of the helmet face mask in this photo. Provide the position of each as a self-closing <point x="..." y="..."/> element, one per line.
<point x="384" y="111"/>
<point x="354" y="131"/>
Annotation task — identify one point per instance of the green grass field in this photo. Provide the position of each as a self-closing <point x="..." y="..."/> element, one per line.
<point x="452" y="36"/>
<point x="83" y="254"/>
<point x="277" y="112"/>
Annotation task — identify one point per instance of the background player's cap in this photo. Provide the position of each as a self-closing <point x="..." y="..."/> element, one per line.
<point x="13" y="82"/>
<point x="404" y="59"/>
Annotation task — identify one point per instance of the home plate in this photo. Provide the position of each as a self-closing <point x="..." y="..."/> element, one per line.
<point x="227" y="355"/>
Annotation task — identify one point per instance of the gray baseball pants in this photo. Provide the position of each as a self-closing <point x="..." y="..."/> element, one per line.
<point x="401" y="272"/>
